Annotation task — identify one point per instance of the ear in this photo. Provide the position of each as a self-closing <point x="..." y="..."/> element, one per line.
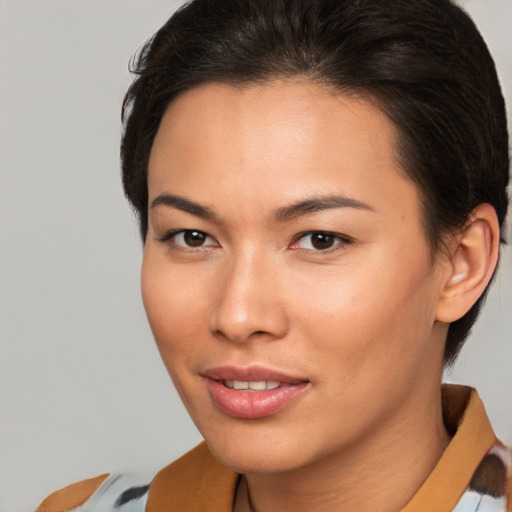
<point x="473" y="257"/>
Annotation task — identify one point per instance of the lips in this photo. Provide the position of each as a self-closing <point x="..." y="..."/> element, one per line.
<point x="252" y="393"/>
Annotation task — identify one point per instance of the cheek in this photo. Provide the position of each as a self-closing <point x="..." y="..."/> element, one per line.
<point x="368" y="318"/>
<point x="175" y="306"/>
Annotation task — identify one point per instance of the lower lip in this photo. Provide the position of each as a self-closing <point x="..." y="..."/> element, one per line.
<point x="253" y="404"/>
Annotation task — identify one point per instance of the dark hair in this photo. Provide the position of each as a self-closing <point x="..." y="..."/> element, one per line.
<point x="423" y="62"/>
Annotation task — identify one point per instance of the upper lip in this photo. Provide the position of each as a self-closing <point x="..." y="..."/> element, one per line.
<point x="250" y="374"/>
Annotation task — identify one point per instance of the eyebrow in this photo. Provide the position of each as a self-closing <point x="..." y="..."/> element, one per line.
<point x="318" y="204"/>
<point x="185" y="205"/>
<point x="286" y="213"/>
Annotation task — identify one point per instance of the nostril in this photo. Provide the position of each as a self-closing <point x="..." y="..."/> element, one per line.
<point x="233" y="336"/>
<point x="242" y="313"/>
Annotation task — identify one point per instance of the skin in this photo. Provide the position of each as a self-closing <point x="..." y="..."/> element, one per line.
<point x="359" y="321"/>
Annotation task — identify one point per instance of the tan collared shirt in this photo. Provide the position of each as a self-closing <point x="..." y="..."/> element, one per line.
<point x="473" y="475"/>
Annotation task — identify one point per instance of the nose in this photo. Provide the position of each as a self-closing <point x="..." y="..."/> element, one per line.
<point x="250" y="303"/>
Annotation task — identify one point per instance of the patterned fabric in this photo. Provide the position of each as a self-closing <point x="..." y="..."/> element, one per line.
<point x="118" y="493"/>
<point x="487" y="491"/>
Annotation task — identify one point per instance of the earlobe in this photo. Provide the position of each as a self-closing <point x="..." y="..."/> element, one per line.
<point x="472" y="260"/>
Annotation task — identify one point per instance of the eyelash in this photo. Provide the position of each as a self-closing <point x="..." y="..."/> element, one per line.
<point x="338" y="239"/>
<point x="170" y="238"/>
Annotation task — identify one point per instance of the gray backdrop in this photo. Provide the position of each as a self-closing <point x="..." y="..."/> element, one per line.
<point x="82" y="389"/>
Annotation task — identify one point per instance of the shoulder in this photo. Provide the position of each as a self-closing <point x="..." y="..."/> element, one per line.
<point x="103" y="493"/>
<point x="195" y="481"/>
<point x="71" y="496"/>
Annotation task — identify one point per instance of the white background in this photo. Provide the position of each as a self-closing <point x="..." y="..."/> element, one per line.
<point x="82" y="389"/>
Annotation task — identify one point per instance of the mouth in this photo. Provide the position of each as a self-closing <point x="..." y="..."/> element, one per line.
<point x="253" y="385"/>
<point x="252" y="393"/>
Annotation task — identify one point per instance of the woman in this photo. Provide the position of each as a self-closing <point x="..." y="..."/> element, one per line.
<point x="321" y="189"/>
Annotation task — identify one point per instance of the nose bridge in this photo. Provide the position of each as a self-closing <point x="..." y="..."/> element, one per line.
<point x="249" y="302"/>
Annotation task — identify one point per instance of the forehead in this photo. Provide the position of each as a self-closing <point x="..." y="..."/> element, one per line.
<point x="270" y="144"/>
<point x="285" y="116"/>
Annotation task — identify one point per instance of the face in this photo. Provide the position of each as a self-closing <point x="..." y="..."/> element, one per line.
<point x="286" y="275"/>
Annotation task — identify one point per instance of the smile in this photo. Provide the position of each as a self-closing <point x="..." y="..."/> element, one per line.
<point x="252" y="393"/>
<point x="254" y="385"/>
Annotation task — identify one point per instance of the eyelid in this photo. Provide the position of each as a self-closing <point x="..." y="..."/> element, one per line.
<point x="342" y="241"/>
<point x="170" y="236"/>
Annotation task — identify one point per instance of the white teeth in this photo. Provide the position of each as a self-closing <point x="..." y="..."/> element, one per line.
<point x="256" y="385"/>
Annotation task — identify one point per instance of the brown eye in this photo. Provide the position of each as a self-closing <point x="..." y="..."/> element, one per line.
<point x="194" y="238"/>
<point x="322" y="241"/>
<point x="188" y="239"/>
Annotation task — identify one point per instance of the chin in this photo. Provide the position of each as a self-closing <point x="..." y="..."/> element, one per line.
<point x="256" y="456"/>
<point x="257" y="463"/>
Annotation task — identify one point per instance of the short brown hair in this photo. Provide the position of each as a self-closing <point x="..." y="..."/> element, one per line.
<point x="423" y="62"/>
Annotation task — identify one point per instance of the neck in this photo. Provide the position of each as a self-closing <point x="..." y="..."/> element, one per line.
<point x="380" y="472"/>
